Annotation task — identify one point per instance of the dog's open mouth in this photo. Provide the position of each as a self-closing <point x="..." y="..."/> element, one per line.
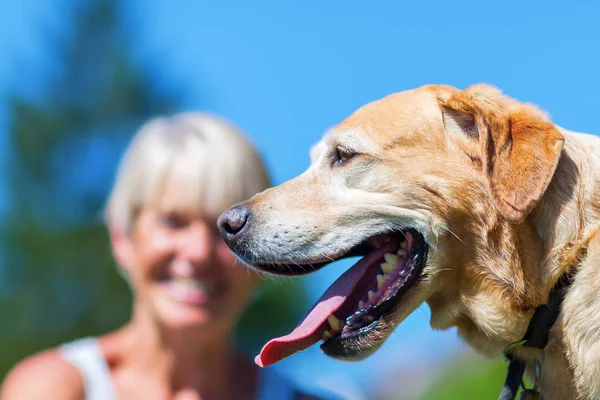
<point x="351" y="311"/>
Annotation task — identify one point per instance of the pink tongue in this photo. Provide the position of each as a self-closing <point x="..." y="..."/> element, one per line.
<point x="310" y="330"/>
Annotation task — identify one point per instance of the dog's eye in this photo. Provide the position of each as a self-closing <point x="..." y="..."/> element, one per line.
<point x="343" y="155"/>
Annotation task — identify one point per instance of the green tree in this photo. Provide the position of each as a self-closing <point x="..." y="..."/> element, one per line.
<point x="59" y="281"/>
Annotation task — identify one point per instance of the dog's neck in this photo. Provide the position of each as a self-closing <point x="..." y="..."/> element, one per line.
<point x="569" y="212"/>
<point x="566" y="221"/>
<point x="551" y="241"/>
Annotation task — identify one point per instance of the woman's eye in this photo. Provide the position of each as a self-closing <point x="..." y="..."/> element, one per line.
<point x="174" y="221"/>
<point x="343" y="155"/>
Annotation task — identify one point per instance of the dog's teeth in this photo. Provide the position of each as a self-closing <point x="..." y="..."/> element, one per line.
<point x="385" y="267"/>
<point x="380" y="280"/>
<point x="361" y="305"/>
<point x="401" y="253"/>
<point x="326" y="335"/>
<point x="371" y="294"/>
<point x="336" y="324"/>
<point x="391" y="259"/>
<point x="404" y="244"/>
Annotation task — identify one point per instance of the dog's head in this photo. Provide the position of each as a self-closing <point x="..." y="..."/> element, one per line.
<point x="433" y="188"/>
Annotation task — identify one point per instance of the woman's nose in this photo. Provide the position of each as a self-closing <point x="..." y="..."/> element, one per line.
<point x="198" y="243"/>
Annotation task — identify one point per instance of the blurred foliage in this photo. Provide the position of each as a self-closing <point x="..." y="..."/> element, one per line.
<point x="274" y="312"/>
<point x="59" y="281"/>
<point x="468" y="378"/>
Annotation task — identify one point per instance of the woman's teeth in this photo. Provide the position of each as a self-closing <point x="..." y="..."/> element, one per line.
<point x="187" y="284"/>
<point x="192" y="289"/>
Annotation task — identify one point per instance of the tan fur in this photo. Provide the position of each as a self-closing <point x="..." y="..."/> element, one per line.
<point x="507" y="200"/>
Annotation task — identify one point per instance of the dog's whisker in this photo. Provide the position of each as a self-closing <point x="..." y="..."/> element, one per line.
<point x="447" y="229"/>
<point x="432" y="273"/>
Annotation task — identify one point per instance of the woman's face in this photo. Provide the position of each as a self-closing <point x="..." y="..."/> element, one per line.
<point x="180" y="268"/>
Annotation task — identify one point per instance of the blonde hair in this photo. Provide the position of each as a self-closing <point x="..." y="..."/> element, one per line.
<point x="218" y="163"/>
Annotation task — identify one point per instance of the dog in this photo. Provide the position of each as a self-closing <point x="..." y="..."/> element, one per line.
<point x="467" y="200"/>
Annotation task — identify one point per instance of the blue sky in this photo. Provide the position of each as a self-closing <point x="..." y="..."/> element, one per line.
<point x="286" y="72"/>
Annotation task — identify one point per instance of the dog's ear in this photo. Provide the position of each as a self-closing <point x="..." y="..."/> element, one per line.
<point x="517" y="145"/>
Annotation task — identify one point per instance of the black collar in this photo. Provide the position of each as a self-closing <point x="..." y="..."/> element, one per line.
<point x="536" y="336"/>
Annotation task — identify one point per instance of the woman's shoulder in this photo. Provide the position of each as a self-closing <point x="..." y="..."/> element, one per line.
<point x="41" y="374"/>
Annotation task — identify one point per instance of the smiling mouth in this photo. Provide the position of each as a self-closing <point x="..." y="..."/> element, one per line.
<point x="351" y="316"/>
<point x="193" y="291"/>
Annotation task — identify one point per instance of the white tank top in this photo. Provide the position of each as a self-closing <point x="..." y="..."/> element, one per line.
<point x="86" y="355"/>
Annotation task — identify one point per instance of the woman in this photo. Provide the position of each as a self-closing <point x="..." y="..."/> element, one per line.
<point x="176" y="177"/>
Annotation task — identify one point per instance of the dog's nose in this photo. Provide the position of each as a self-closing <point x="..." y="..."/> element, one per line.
<point x="232" y="222"/>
